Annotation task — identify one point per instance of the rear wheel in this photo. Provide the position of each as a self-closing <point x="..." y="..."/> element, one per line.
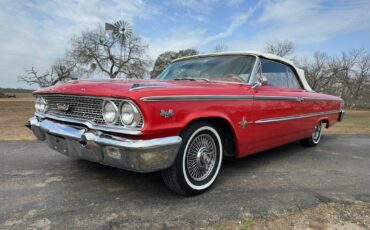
<point x="198" y="161"/>
<point x="314" y="139"/>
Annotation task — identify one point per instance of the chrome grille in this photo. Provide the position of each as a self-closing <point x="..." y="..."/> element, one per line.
<point x="81" y="107"/>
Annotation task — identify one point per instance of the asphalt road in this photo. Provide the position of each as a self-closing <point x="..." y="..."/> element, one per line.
<point x="41" y="188"/>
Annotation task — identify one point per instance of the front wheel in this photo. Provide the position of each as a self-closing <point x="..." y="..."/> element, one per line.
<point x="198" y="161"/>
<point x="314" y="139"/>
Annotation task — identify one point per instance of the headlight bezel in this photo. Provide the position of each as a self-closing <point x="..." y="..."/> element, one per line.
<point x="41" y="105"/>
<point x="116" y="112"/>
<point x="127" y="106"/>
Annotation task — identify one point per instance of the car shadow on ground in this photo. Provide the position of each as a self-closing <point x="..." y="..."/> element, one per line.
<point x="146" y="184"/>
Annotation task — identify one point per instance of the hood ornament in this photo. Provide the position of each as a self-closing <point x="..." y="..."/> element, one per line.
<point x="166" y="114"/>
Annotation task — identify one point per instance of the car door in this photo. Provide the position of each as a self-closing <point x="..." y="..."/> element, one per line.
<point x="275" y="106"/>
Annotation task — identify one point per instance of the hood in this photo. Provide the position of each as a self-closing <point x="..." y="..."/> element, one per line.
<point x="135" y="89"/>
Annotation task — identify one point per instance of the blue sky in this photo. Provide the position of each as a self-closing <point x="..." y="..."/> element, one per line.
<point x="35" y="33"/>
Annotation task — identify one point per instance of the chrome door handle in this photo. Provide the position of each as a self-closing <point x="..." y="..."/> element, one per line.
<point x="300" y="99"/>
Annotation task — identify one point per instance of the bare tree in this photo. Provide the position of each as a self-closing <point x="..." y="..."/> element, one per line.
<point x="32" y="77"/>
<point x="282" y="48"/>
<point x="221" y="47"/>
<point x="164" y="59"/>
<point x="346" y="75"/>
<point x="61" y="71"/>
<point x="96" y="50"/>
<point x="317" y="71"/>
<point x="352" y="69"/>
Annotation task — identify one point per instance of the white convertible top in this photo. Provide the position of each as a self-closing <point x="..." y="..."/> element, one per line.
<point x="299" y="71"/>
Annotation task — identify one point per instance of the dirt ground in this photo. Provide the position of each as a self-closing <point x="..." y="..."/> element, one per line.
<point x="324" y="216"/>
<point x="290" y="187"/>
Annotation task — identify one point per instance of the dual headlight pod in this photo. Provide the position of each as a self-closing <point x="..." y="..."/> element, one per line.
<point x="127" y="112"/>
<point x="40" y="105"/>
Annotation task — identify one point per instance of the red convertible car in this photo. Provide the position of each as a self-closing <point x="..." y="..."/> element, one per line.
<point x="198" y="110"/>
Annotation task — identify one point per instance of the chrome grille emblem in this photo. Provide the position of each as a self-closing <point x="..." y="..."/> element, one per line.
<point x="62" y="106"/>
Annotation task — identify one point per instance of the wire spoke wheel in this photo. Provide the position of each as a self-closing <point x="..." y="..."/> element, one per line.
<point x="201" y="157"/>
<point x="317" y="133"/>
<point x="198" y="161"/>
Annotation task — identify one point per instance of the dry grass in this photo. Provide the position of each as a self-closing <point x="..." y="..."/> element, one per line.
<point x="355" y="122"/>
<point x="324" y="216"/>
<point x="23" y="95"/>
<point x="14" y="113"/>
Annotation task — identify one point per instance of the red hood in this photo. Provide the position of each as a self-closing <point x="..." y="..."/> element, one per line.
<point x="135" y="89"/>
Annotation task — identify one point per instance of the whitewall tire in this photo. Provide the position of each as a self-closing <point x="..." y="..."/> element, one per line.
<point x="198" y="161"/>
<point x="315" y="137"/>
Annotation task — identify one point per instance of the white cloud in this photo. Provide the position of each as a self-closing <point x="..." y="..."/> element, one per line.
<point x="35" y="33"/>
<point x="188" y="37"/>
<point x="236" y="22"/>
<point x="201" y="6"/>
<point x="234" y="2"/>
<point x="180" y="38"/>
<point x="313" y="21"/>
<point x="304" y="22"/>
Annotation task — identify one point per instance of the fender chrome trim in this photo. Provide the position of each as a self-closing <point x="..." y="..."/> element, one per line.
<point x="268" y="120"/>
<point x="198" y="98"/>
<point x="231" y="97"/>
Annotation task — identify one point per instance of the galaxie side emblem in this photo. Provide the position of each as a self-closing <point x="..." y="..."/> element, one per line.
<point x="62" y="106"/>
<point x="166" y="114"/>
<point x="243" y="123"/>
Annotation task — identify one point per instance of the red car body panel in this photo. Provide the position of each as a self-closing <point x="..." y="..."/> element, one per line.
<point x="256" y="136"/>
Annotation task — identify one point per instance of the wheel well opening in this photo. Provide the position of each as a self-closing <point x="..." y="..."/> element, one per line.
<point x="225" y="131"/>
<point x="326" y="122"/>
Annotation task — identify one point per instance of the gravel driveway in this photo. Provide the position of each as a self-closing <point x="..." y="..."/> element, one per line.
<point x="41" y="188"/>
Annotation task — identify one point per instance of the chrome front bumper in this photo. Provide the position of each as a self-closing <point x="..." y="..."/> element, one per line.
<point x="134" y="155"/>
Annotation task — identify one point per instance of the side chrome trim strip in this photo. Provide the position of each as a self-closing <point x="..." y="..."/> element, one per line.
<point x="268" y="120"/>
<point x="275" y="98"/>
<point x="90" y="125"/>
<point x="198" y="98"/>
<point x="320" y="99"/>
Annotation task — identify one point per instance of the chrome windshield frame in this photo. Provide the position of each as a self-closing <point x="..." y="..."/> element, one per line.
<point x="252" y="74"/>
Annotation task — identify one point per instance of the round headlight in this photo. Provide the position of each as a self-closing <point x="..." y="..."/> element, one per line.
<point x="37" y="104"/>
<point x="40" y="104"/>
<point x="110" y="112"/>
<point x="130" y="115"/>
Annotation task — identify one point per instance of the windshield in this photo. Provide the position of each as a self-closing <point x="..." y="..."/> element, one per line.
<point x="217" y="68"/>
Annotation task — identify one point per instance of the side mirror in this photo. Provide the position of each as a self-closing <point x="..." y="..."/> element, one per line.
<point x="261" y="80"/>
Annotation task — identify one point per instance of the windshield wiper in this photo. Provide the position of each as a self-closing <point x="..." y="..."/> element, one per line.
<point x="191" y="79"/>
<point x="184" y="79"/>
